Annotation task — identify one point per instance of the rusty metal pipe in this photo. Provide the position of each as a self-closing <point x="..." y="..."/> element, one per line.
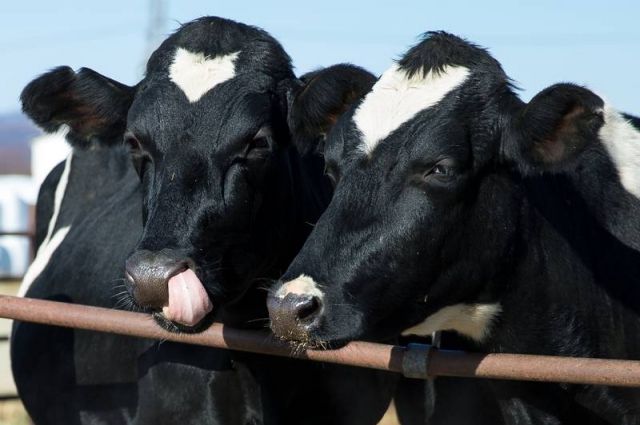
<point x="525" y="367"/>
<point x="365" y="354"/>
<point x="18" y="233"/>
<point x="412" y="361"/>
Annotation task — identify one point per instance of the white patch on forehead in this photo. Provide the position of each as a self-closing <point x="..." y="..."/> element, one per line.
<point x="196" y="73"/>
<point x="302" y="285"/>
<point x="622" y="141"/>
<point x="472" y="320"/>
<point x="396" y="98"/>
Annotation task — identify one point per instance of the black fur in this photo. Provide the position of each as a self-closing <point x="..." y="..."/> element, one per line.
<point x="540" y="142"/>
<point x="238" y="210"/>
<point x="322" y="97"/>
<point x="93" y="106"/>
<point x="485" y="199"/>
<point x="439" y="49"/>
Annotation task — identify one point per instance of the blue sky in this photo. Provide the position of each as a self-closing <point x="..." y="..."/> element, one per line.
<point x="595" y="43"/>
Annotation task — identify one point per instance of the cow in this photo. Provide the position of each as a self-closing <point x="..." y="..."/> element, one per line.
<point x="183" y="197"/>
<point x="460" y="207"/>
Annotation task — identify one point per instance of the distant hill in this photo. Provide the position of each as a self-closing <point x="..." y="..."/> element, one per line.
<point x="16" y="130"/>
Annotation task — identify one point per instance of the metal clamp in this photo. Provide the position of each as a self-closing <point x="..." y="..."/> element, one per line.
<point x="415" y="362"/>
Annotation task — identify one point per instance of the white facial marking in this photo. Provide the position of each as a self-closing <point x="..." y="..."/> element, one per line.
<point x="396" y="98"/>
<point x="302" y="285"/>
<point x="196" y="74"/>
<point x="622" y="141"/>
<point x="50" y="242"/>
<point x="472" y="320"/>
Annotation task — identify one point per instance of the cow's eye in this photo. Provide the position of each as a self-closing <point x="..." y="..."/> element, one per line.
<point x="139" y="158"/>
<point x="258" y="147"/>
<point x="133" y="143"/>
<point x="441" y="171"/>
<point x="332" y="174"/>
<point x="259" y="143"/>
<point x="333" y="179"/>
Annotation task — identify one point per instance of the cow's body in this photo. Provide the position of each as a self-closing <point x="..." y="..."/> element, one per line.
<point x="69" y="376"/>
<point x="459" y="207"/>
<point x="219" y="195"/>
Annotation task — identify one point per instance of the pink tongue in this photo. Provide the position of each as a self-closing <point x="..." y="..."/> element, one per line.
<point x="188" y="301"/>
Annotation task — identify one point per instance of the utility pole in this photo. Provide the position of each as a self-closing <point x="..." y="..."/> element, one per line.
<point x="156" y="27"/>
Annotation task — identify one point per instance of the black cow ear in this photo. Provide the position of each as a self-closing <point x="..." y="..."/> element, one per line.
<point x="550" y="131"/>
<point x="93" y="106"/>
<point x="319" y="98"/>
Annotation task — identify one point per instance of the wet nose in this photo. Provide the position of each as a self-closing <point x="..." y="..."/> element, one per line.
<point x="148" y="273"/>
<point x="294" y="315"/>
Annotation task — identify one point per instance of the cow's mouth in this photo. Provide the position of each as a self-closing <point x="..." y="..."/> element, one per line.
<point x="188" y="302"/>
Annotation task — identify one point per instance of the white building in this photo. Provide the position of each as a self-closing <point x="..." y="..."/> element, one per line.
<point x="18" y="194"/>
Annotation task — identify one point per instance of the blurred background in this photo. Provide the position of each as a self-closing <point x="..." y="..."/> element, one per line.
<point x="539" y="43"/>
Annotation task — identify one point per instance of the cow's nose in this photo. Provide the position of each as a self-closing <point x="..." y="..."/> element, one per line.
<point x="149" y="272"/>
<point x="294" y="316"/>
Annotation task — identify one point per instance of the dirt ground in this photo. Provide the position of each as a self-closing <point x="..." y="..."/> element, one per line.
<point x="12" y="413"/>
<point x="390" y="417"/>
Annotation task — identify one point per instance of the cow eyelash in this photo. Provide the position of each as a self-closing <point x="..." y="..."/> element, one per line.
<point x="442" y="170"/>
<point x="260" y="142"/>
<point x="258" y="146"/>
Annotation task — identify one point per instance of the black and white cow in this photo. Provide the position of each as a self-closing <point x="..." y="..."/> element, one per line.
<point x="459" y="207"/>
<point x="217" y="202"/>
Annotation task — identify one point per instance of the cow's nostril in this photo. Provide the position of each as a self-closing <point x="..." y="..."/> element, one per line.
<point x="308" y="308"/>
<point x="149" y="272"/>
<point x="294" y="316"/>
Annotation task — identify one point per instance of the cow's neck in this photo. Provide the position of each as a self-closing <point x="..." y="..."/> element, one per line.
<point x="612" y="206"/>
<point x="574" y="289"/>
<point x="293" y="204"/>
<point x="295" y="196"/>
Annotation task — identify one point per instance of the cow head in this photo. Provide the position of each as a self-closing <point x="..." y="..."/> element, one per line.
<point x="208" y="134"/>
<point x="422" y="225"/>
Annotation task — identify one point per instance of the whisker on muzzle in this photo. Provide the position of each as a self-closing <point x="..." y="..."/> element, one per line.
<point x="262" y="319"/>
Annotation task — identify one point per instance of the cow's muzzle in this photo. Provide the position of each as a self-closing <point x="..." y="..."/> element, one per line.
<point x="149" y="272"/>
<point x="166" y="281"/>
<point x="294" y="315"/>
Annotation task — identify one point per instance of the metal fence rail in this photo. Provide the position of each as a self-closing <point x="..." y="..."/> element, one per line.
<point x="417" y="361"/>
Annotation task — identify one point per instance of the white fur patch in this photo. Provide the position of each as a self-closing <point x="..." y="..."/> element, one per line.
<point x="302" y="285"/>
<point x="472" y="320"/>
<point x="50" y="242"/>
<point x="396" y="98"/>
<point x="59" y="196"/>
<point x="196" y="74"/>
<point x="42" y="259"/>
<point x="622" y="141"/>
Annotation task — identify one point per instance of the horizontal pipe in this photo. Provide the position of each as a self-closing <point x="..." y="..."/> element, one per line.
<point x="363" y="354"/>
<point x="9" y="397"/>
<point x="18" y="233"/>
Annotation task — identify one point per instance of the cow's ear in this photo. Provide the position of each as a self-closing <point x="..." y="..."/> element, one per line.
<point x="318" y="99"/>
<point x="551" y="131"/>
<point x="94" y="107"/>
